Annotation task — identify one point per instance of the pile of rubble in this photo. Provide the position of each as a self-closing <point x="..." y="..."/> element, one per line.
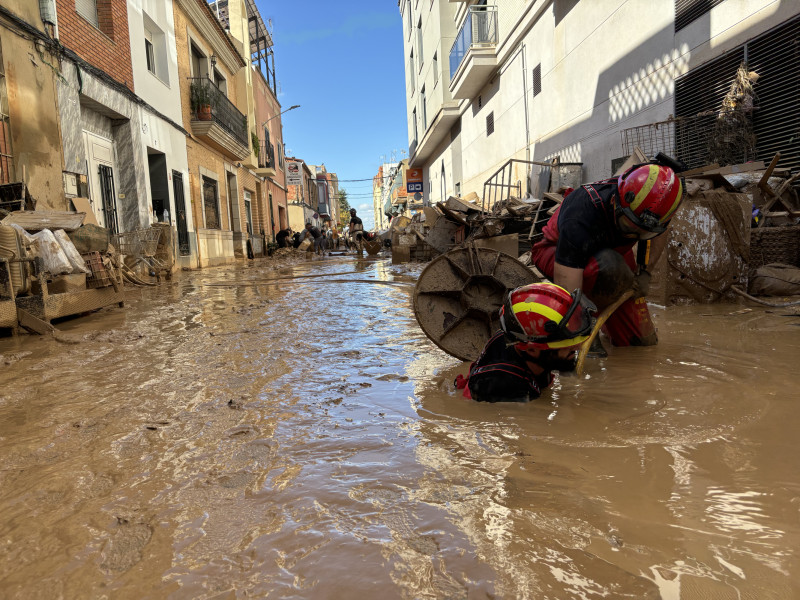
<point x="735" y="220"/>
<point x="510" y="227"/>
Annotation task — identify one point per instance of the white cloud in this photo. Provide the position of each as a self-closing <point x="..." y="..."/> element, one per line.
<point x="365" y="207"/>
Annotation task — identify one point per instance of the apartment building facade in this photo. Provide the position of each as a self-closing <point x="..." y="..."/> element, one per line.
<point x="302" y="194"/>
<point x="100" y="115"/>
<point x="154" y="62"/>
<point x="208" y="63"/>
<point x="576" y="80"/>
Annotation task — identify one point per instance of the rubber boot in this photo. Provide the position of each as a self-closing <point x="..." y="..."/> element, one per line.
<point x="596" y="350"/>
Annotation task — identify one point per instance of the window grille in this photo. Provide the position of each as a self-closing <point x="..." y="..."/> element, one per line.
<point x="775" y="120"/>
<point x="537" y="80"/>
<point x="490" y="124"/>
<point x="687" y="11"/>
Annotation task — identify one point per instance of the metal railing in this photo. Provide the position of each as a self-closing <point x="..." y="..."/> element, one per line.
<point x="722" y="137"/>
<point x="266" y="155"/>
<point x="480" y="28"/>
<point x="501" y="184"/>
<point x="223" y="111"/>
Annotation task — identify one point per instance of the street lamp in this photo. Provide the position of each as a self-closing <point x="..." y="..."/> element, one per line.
<point x="280" y="113"/>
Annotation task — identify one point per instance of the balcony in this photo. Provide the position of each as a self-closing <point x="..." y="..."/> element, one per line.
<point x="266" y="160"/>
<point x="473" y="57"/>
<point x="442" y="123"/>
<point x="217" y="121"/>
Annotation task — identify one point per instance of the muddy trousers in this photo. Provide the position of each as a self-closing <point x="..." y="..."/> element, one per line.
<point x="608" y="274"/>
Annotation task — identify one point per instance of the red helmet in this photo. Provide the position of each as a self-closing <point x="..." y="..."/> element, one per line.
<point x="648" y="196"/>
<point x="546" y="316"/>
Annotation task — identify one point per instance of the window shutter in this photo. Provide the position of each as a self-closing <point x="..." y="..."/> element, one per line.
<point x="537" y="80"/>
<point x="776" y="121"/>
<point x="687" y="11"/>
<point x="88" y="10"/>
<point x="490" y="124"/>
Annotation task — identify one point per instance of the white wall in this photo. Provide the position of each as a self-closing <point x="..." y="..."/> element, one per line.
<point x="161" y="92"/>
<point x="606" y="65"/>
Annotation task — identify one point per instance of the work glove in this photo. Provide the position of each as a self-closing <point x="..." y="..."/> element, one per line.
<point x="641" y="284"/>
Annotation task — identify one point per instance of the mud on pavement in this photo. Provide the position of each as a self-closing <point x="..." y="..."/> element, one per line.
<point x="291" y="433"/>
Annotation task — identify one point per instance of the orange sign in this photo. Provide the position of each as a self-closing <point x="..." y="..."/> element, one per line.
<point x="413" y="180"/>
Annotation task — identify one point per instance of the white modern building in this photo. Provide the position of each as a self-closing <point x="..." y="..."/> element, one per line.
<point x="491" y="85"/>
<point x="163" y="140"/>
<point x="382" y="194"/>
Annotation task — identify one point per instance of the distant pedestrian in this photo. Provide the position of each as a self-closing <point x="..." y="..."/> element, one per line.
<point x="282" y="236"/>
<point x="316" y="235"/>
<point x="356" y="231"/>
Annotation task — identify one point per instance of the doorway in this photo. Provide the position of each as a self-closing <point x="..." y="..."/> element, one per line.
<point x="233" y="202"/>
<point x="180" y="214"/>
<point x="102" y="188"/>
<point x="159" y="186"/>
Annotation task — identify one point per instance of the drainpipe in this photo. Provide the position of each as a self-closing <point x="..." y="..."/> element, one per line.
<point x="527" y="117"/>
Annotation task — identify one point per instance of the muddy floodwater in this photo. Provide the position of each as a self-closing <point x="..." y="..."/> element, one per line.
<point x="250" y="432"/>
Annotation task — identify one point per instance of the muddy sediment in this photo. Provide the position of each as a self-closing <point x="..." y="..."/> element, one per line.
<point x="291" y="432"/>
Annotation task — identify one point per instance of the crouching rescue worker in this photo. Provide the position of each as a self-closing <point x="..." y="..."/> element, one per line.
<point x="588" y="245"/>
<point x="542" y="326"/>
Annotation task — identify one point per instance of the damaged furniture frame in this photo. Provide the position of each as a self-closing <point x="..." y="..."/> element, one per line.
<point x="35" y="312"/>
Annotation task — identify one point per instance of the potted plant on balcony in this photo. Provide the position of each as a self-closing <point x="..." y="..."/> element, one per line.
<point x="201" y="101"/>
<point x="254" y="141"/>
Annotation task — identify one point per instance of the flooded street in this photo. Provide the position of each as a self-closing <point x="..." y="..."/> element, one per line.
<point x="246" y="432"/>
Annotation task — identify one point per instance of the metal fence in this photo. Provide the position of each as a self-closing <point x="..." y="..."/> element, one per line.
<point x="723" y="137"/>
<point x="479" y="28"/>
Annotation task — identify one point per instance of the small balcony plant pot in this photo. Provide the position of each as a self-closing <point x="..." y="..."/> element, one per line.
<point x="204" y="112"/>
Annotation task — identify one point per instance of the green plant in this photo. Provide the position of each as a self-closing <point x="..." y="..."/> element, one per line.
<point x="200" y="95"/>
<point x="254" y="141"/>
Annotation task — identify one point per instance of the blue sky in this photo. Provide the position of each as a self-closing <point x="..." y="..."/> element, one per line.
<point x="342" y="62"/>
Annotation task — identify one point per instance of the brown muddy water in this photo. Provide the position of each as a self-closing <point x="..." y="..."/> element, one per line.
<point x="250" y="433"/>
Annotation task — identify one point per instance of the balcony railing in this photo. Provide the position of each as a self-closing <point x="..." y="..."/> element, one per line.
<point x="480" y="28"/>
<point x="223" y="112"/>
<point x="266" y="155"/>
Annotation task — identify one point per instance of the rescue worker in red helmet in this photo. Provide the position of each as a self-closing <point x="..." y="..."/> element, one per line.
<point x="588" y="244"/>
<point x="542" y="326"/>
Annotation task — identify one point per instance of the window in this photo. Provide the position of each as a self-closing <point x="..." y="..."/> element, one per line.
<point x="199" y="62"/>
<point x="408" y="16"/>
<point x="98" y="13"/>
<point x="415" y="124"/>
<point x="148" y="52"/>
<point x="248" y="211"/>
<point x="210" y="203"/>
<point x="424" y="108"/>
<point x="220" y="82"/>
<point x="155" y="49"/>
<point x="88" y="10"/>
<point x="490" y="124"/>
<point x="435" y="68"/>
<point x="537" y="80"/>
<point x="419" y="43"/>
<point x="411" y="71"/>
